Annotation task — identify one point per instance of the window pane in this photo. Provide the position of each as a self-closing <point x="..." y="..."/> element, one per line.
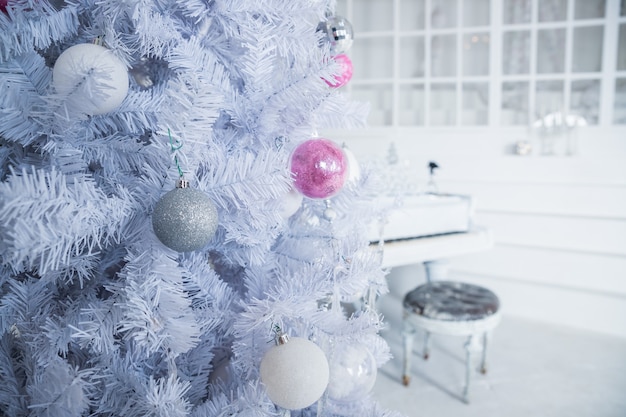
<point x="443" y="58"/>
<point x="443" y="13"/>
<point x="516" y="11"/>
<point x="379" y="97"/>
<point x="551" y="51"/>
<point x="411" y="100"/>
<point x="412" y="57"/>
<point x="371" y="15"/>
<point x="589" y="9"/>
<point x="516" y="52"/>
<point x="587" y="49"/>
<point x="442" y="105"/>
<point x="548" y="98"/>
<point x="552" y="10"/>
<point x="585" y="100"/>
<point x="372" y="58"/>
<point x="514" y="103"/>
<point x="621" y="51"/>
<point x="476" y="54"/>
<point x="475" y="101"/>
<point x="412" y="14"/>
<point x="476" y="12"/>
<point x="623" y="8"/>
<point x="619" y="110"/>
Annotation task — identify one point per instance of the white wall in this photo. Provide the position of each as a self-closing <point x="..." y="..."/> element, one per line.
<point x="559" y="222"/>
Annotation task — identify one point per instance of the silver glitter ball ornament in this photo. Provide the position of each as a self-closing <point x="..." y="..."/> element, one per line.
<point x="184" y="219"/>
<point x="339" y="33"/>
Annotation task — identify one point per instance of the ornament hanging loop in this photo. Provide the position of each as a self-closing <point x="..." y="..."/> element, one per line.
<point x="174" y="148"/>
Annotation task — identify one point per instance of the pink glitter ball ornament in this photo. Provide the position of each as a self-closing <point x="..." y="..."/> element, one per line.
<point x="319" y="168"/>
<point x="345" y="75"/>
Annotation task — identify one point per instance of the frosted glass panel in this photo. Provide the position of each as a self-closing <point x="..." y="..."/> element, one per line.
<point x="585" y="100"/>
<point x="589" y="9"/>
<point x="621" y="52"/>
<point x="514" y="103"/>
<point x="371" y="15"/>
<point x="516" y="52"/>
<point x="549" y="97"/>
<point x="380" y="99"/>
<point x="412" y="105"/>
<point x="476" y="12"/>
<point x="442" y="104"/>
<point x="443" y="58"/>
<point x="619" y="112"/>
<point x="475" y="104"/>
<point x="443" y="13"/>
<point x="516" y="11"/>
<point x="372" y="58"/>
<point x="587" y="50"/>
<point x="412" y="14"/>
<point x="552" y="10"/>
<point x="412" y="57"/>
<point x="476" y="54"/>
<point x="551" y="51"/>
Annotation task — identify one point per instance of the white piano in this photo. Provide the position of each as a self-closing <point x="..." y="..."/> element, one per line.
<point x="427" y="228"/>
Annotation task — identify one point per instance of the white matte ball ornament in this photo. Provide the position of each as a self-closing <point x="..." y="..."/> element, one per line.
<point x="354" y="173"/>
<point x="93" y="78"/>
<point x="290" y="203"/>
<point x="295" y="373"/>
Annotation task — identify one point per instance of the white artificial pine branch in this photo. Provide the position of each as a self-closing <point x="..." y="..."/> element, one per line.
<point x="38" y="26"/>
<point x="128" y="326"/>
<point x="153" y="287"/>
<point x="35" y="211"/>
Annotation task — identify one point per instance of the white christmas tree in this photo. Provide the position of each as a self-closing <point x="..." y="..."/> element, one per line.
<point x="152" y="246"/>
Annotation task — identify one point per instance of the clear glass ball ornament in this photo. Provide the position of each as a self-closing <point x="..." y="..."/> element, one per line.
<point x="352" y="373"/>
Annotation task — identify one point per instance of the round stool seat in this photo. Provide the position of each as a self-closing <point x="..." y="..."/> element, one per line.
<point x="451" y="301"/>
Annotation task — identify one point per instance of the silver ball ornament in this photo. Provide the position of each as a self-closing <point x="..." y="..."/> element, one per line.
<point x="185" y="219"/>
<point x="339" y="33"/>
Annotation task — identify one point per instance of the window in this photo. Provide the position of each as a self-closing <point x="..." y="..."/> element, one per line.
<point x="488" y="62"/>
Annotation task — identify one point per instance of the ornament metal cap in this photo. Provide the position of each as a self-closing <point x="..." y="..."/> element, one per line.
<point x="98" y="40"/>
<point x="182" y="183"/>
<point x="282" y="339"/>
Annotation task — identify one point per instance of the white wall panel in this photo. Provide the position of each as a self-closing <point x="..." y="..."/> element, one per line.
<point x="599" y="273"/>
<point x="572" y="308"/>
<point x="554" y="232"/>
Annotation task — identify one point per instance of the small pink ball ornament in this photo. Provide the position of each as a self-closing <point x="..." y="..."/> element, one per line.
<point x="319" y="168"/>
<point x="345" y="74"/>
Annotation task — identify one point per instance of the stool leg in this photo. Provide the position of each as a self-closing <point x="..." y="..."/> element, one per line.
<point x="483" y="364"/>
<point x="472" y="345"/>
<point x="426" y="353"/>
<point x="408" y="333"/>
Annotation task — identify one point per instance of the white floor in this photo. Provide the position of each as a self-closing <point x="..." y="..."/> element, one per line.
<point x="535" y="369"/>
